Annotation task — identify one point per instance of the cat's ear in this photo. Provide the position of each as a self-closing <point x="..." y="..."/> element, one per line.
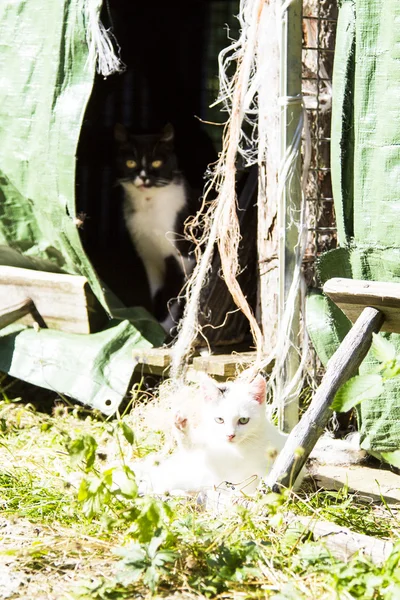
<point x="120" y="133"/>
<point x="258" y="388"/>
<point x="167" y="134"/>
<point x="208" y="387"/>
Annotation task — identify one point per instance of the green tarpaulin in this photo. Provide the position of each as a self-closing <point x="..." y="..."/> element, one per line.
<point x="46" y="78"/>
<point x="366" y="185"/>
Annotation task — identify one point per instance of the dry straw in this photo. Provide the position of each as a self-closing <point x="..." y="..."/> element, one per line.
<point x="250" y="96"/>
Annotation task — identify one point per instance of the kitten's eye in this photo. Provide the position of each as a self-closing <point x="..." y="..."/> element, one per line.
<point x="219" y="420"/>
<point x="156" y="164"/>
<point x="243" y="421"/>
<point x="131" y="164"/>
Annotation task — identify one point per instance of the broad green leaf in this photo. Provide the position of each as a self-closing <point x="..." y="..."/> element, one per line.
<point x="128" y="433"/>
<point x="392" y="370"/>
<point x="82" y="448"/>
<point x="357" y="389"/>
<point x="75" y="449"/>
<point x="95" y="484"/>
<point x="83" y="491"/>
<point x="132" y="554"/>
<point x="383" y="350"/>
<point x="107" y="476"/>
<point x="125" y="480"/>
<point x="151" y="578"/>
<point x="90" y="446"/>
<point x="130" y="574"/>
<point x="313" y="552"/>
<point x="164" y="556"/>
<point x="276" y="521"/>
<point x="154" y="545"/>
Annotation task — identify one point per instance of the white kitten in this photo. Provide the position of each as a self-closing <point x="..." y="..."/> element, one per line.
<point x="226" y="437"/>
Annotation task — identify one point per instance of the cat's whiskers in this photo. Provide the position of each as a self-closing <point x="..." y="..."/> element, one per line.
<point x="161" y="182"/>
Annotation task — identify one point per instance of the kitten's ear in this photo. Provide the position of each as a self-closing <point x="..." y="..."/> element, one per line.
<point x="120" y="133"/>
<point x="258" y="388"/>
<point x="208" y="387"/>
<point x="167" y="134"/>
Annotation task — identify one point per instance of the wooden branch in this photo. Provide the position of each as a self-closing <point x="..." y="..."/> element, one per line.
<point x="342" y="542"/>
<point x="343" y="365"/>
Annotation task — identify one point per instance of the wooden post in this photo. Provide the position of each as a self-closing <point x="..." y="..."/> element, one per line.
<point x="290" y="203"/>
<point x="279" y="207"/>
<point x="343" y="365"/>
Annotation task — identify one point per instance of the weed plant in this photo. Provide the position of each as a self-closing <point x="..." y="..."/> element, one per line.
<point x="74" y="526"/>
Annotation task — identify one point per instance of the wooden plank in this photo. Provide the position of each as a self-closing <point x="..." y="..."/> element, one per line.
<point x="153" y="361"/>
<point x="14" y="312"/>
<point x="343" y="365"/>
<point x="156" y="361"/>
<point x="352" y="296"/>
<point x="374" y="484"/>
<point x="156" y="357"/>
<point x="64" y="301"/>
<point x="224" y="365"/>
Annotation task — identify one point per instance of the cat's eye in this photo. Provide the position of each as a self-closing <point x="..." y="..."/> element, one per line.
<point x="243" y="420"/>
<point x="131" y="164"/>
<point x="156" y="164"/>
<point x="219" y="420"/>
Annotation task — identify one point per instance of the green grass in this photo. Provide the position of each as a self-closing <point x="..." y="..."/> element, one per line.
<point x="76" y="531"/>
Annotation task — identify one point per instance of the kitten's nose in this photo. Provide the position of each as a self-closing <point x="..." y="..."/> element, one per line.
<point x="230" y="437"/>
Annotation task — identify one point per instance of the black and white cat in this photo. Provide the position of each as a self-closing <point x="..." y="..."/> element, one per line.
<point x="157" y="203"/>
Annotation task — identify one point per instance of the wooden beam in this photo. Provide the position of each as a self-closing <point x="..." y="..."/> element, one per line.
<point x="64" y="301"/>
<point x="156" y="361"/>
<point x="224" y="365"/>
<point x="352" y="296"/>
<point x="343" y="365"/>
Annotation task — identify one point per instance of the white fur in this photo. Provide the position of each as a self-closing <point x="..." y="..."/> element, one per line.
<point x="329" y="451"/>
<point x="208" y="455"/>
<point x="151" y="226"/>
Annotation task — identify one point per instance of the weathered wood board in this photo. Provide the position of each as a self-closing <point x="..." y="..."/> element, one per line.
<point x="221" y="366"/>
<point x="155" y="361"/>
<point x="352" y="296"/>
<point x="372" y="483"/>
<point x="224" y="365"/>
<point x="65" y="302"/>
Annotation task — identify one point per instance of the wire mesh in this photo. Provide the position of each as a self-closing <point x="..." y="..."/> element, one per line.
<point x="319" y="31"/>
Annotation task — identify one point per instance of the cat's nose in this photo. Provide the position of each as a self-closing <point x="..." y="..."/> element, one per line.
<point x="230" y="437"/>
<point x="139" y="182"/>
